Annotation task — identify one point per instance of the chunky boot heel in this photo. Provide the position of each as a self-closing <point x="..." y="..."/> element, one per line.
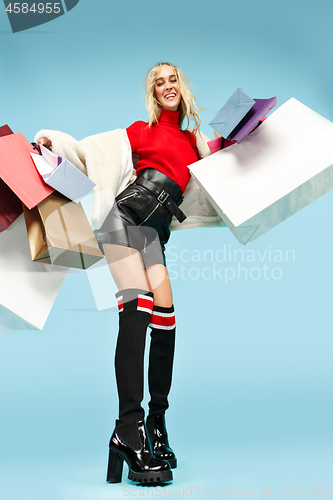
<point x="115" y="467"/>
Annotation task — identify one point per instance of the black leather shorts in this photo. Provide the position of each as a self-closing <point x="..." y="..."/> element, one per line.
<point x="138" y="220"/>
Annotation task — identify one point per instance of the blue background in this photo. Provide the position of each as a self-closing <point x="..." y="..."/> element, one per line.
<point x="251" y="403"/>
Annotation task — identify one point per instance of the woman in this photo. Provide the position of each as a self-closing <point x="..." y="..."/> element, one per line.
<point x="133" y="238"/>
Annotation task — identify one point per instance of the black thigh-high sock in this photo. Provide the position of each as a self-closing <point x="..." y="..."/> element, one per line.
<point x="161" y="355"/>
<point x="135" y="307"/>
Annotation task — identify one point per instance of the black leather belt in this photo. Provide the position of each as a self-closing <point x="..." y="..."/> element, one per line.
<point x="163" y="197"/>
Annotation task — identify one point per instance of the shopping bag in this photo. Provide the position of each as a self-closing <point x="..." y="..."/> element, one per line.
<point x="252" y="119"/>
<point x="281" y="167"/>
<point x="62" y="175"/>
<point x="59" y="233"/>
<point x="28" y="289"/>
<point x="102" y="285"/>
<point x="232" y="112"/>
<point x="10" y="204"/>
<point x="5" y="130"/>
<point x="219" y="143"/>
<point x="18" y="171"/>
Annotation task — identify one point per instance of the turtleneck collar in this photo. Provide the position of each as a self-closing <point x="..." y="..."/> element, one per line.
<point x="171" y="117"/>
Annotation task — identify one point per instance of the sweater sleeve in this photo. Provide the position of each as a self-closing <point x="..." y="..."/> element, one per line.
<point x="134" y="133"/>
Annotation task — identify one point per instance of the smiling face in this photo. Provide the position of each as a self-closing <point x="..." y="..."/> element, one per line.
<point x="166" y="88"/>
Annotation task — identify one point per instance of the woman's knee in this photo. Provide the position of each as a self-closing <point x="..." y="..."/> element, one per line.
<point x="161" y="288"/>
<point x="163" y="302"/>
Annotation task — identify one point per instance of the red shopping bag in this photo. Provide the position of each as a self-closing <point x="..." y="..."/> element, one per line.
<point x="19" y="179"/>
<point x="10" y="204"/>
<point x="5" y="130"/>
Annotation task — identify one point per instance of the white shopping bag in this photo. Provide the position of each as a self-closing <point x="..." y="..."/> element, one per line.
<point x="27" y="289"/>
<point x="278" y="169"/>
<point x="102" y="285"/>
<point x="62" y="175"/>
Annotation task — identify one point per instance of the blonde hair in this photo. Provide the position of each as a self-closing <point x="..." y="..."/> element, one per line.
<point x="187" y="106"/>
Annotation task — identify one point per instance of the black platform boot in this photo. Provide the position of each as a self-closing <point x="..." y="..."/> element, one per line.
<point x="159" y="439"/>
<point x="143" y="467"/>
<point x="161" y="356"/>
<point x="129" y="441"/>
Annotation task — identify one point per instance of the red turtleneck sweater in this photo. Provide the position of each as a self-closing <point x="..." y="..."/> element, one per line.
<point x="164" y="147"/>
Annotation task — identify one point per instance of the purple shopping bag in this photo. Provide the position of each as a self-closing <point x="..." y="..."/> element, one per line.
<point x="251" y="120"/>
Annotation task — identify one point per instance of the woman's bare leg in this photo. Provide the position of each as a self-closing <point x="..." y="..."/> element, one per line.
<point x="135" y="304"/>
<point x="159" y="283"/>
<point x="128" y="271"/>
<point x="126" y="267"/>
<point x="161" y="354"/>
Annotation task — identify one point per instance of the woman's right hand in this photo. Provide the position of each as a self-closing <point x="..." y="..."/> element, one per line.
<point x="135" y="159"/>
<point x="44" y="141"/>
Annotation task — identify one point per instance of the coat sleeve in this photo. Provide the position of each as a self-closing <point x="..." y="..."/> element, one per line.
<point x="202" y="145"/>
<point x="107" y="160"/>
<point x="199" y="211"/>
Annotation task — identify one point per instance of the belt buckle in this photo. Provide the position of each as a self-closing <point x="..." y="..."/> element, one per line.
<point x="163" y="196"/>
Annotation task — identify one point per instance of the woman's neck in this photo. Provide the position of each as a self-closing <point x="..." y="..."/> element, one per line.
<point x="168" y="116"/>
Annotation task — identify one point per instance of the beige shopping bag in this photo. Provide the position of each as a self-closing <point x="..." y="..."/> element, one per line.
<point x="59" y="233"/>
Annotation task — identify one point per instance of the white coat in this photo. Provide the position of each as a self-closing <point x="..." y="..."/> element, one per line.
<point x="107" y="160"/>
